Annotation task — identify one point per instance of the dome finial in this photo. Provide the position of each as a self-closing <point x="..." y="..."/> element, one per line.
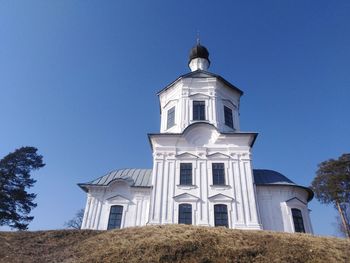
<point x="199" y="57"/>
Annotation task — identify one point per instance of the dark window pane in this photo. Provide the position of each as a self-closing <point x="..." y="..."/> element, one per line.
<point x="115" y="217"/>
<point x="218" y="173"/>
<point x="228" y="117"/>
<point x="220" y="215"/>
<point x="198" y="110"/>
<point x="298" y="220"/>
<point x="186" y="173"/>
<point x="171" y="118"/>
<point x="185" y="214"/>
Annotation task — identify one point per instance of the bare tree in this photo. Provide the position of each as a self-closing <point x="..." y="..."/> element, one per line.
<point x="75" y="223"/>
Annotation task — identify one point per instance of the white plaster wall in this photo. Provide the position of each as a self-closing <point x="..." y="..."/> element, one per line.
<point x="238" y="193"/>
<point x="213" y="92"/>
<point x="135" y="202"/>
<point x="275" y="204"/>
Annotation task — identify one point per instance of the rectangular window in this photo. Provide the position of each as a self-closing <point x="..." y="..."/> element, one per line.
<point x="298" y="220"/>
<point x="115" y="217"/>
<point x="185" y="173"/>
<point x="171" y="118"/>
<point x="198" y="110"/>
<point x="228" y="117"/>
<point x="218" y="173"/>
<point x="185" y="214"/>
<point x="220" y="215"/>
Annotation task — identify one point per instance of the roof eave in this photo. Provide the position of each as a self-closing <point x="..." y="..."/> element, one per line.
<point x="83" y="187"/>
<point x="207" y="72"/>
<point x="254" y="139"/>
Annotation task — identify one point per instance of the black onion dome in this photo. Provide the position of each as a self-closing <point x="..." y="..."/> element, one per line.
<point x="199" y="51"/>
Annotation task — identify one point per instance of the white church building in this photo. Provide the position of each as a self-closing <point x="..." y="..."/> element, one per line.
<point x="202" y="168"/>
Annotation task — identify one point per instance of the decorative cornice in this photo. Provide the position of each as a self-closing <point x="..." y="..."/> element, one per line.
<point x="185" y="197"/>
<point x="220" y="198"/>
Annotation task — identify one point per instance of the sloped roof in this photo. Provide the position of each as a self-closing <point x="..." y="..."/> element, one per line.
<point x="143" y="178"/>
<point x="136" y="178"/>
<point x="201" y="74"/>
<point x="270" y="177"/>
<point x="262" y="176"/>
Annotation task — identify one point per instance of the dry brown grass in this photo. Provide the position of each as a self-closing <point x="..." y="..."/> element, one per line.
<point x="171" y="243"/>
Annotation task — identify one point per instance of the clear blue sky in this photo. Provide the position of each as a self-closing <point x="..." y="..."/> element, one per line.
<point x="78" y="81"/>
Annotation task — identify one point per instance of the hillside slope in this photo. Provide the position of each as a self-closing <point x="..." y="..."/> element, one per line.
<point x="171" y="243"/>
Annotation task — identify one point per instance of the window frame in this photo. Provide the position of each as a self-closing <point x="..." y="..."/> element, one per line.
<point x="115" y="225"/>
<point x="228" y="119"/>
<point x="298" y="220"/>
<point x="221" y="213"/>
<point x="170" y="124"/>
<point x="186" y="179"/>
<point x="198" y="110"/>
<point x="218" y="179"/>
<point x="183" y="217"/>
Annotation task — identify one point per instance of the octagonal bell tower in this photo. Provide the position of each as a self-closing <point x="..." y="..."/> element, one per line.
<point x="199" y="96"/>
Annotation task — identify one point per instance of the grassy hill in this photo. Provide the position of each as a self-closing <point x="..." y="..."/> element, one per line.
<point x="171" y="243"/>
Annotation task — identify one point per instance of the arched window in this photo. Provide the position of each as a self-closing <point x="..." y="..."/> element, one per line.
<point x="298" y="220"/>
<point x="220" y="215"/>
<point x="185" y="214"/>
<point x="115" y="217"/>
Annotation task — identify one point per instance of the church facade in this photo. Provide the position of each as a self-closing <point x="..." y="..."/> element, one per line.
<point x="202" y="168"/>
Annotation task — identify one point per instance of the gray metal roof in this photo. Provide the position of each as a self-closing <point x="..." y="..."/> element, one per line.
<point x="135" y="177"/>
<point x="262" y="176"/>
<point x="270" y="177"/>
<point x="143" y="178"/>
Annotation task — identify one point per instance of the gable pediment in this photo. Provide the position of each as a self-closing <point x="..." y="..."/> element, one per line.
<point x="218" y="155"/>
<point x="119" y="199"/>
<point x="199" y="96"/>
<point x="173" y="101"/>
<point x="185" y="197"/>
<point x="220" y="198"/>
<point x="126" y="181"/>
<point x="229" y="102"/>
<point x="187" y="155"/>
<point x="294" y="201"/>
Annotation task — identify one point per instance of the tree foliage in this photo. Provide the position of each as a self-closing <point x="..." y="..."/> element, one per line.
<point x="16" y="202"/>
<point x="332" y="186"/>
<point x="75" y="223"/>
